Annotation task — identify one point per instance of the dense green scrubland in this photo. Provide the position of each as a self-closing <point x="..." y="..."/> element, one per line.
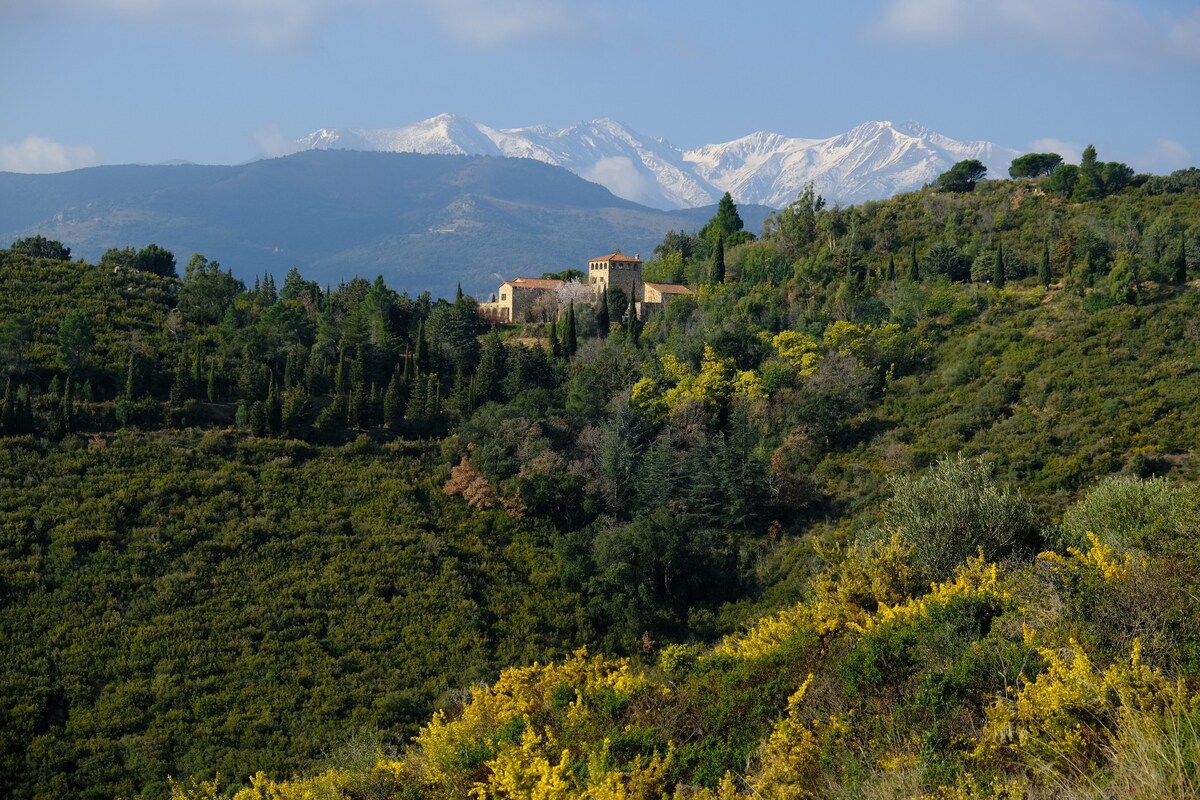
<point x="273" y="530"/>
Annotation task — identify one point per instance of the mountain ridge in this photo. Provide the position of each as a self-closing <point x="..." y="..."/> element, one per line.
<point x="872" y="161"/>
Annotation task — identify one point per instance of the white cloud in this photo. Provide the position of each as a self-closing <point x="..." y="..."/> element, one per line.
<point x="1164" y="156"/>
<point x="268" y="23"/>
<point x="494" y="21"/>
<point x="284" y="23"/>
<point x="1088" y="30"/>
<point x="1070" y="151"/>
<point x="274" y="144"/>
<point x="621" y="176"/>
<point x="36" y="154"/>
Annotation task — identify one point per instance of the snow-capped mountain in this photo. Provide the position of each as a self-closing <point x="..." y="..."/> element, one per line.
<point x="872" y="161"/>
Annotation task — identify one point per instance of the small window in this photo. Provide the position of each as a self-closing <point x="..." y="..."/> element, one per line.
<point x="503" y="297"/>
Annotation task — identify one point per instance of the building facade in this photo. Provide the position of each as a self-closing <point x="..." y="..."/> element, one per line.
<point x="533" y="299"/>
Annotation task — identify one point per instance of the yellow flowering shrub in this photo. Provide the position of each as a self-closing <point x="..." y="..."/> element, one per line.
<point x="501" y="740"/>
<point x="977" y="579"/>
<point x="790" y="761"/>
<point x="1100" y="558"/>
<point x="800" y="350"/>
<point x="716" y="382"/>
<point x="1067" y="715"/>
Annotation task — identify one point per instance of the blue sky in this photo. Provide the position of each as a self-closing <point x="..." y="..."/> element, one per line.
<point x="221" y="81"/>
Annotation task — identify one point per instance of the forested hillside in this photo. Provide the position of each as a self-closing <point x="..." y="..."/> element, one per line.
<point x="274" y="528"/>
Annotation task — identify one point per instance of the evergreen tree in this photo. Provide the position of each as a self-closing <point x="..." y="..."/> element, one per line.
<point x="420" y="352"/>
<point x="8" y="411"/>
<point x="241" y="417"/>
<point x="458" y="294"/>
<point x="433" y="395"/>
<point x="295" y="410"/>
<point x="416" y="400"/>
<point x="633" y="328"/>
<point x="274" y="410"/>
<point x="914" y="270"/>
<point x="393" y="403"/>
<point x="891" y="269"/>
<point x="197" y="376"/>
<point x="603" y="319"/>
<point x="555" y="347"/>
<point x="1181" y="275"/>
<point x="131" y="377"/>
<point x="1044" y="269"/>
<point x="571" y="340"/>
<point x="717" y="276"/>
<point x="211" y="388"/>
<point x="998" y="276"/>
<point x="341" y="379"/>
<point x="357" y="407"/>
<point x="66" y="409"/>
<point x="489" y="377"/>
<point x="181" y="389"/>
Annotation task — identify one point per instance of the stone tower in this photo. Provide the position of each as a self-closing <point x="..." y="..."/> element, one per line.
<point x="616" y="270"/>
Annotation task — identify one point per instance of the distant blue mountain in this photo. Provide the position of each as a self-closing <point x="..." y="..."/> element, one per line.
<point x="423" y="222"/>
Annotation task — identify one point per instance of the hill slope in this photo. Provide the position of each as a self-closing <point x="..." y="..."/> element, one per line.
<point x="423" y="222"/>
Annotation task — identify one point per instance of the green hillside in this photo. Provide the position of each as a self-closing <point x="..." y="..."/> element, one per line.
<point x="276" y="528"/>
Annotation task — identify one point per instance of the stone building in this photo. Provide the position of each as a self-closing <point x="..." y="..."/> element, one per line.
<point x="654" y="295"/>
<point x="532" y="299"/>
<point x="521" y="300"/>
<point x="615" y="271"/>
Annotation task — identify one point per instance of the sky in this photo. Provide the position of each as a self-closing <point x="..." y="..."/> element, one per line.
<point x="85" y="82"/>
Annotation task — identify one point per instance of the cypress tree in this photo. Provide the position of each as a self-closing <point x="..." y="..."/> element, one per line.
<point x="131" y="376"/>
<point x="420" y="351"/>
<point x="295" y="409"/>
<point x="290" y="368"/>
<point x="416" y="400"/>
<point x="433" y="395"/>
<point x="274" y="410"/>
<point x="555" y="347"/>
<point x="341" y="378"/>
<point x="603" y="320"/>
<point x="358" y="400"/>
<point x="891" y="268"/>
<point x="914" y="270"/>
<point x="211" y="388"/>
<point x="718" y="265"/>
<point x="1044" y="269"/>
<point x="197" y="378"/>
<point x="8" y="412"/>
<point x="180" y="390"/>
<point x="572" y="338"/>
<point x="633" y="329"/>
<point x="998" y="276"/>
<point x="1181" y="275"/>
<point x="458" y="295"/>
<point x="66" y="408"/>
<point x="393" y="404"/>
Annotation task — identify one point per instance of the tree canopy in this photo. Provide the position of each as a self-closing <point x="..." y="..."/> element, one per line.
<point x="961" y="177"/>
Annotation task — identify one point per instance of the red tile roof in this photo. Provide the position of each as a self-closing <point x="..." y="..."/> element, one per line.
<point x="616" y="257"/>
<point x="669" y="288"/>
<point x="534" y="283"/>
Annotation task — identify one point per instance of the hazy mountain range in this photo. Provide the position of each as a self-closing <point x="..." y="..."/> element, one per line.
<point x="871" y="161"/>
<point x="424" y="222"/>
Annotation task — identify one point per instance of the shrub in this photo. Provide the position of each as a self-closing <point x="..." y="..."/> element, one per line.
<point x="956" y="510"/>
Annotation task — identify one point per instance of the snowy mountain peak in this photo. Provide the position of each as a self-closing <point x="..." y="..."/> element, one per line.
<point x="873" y="160"/>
